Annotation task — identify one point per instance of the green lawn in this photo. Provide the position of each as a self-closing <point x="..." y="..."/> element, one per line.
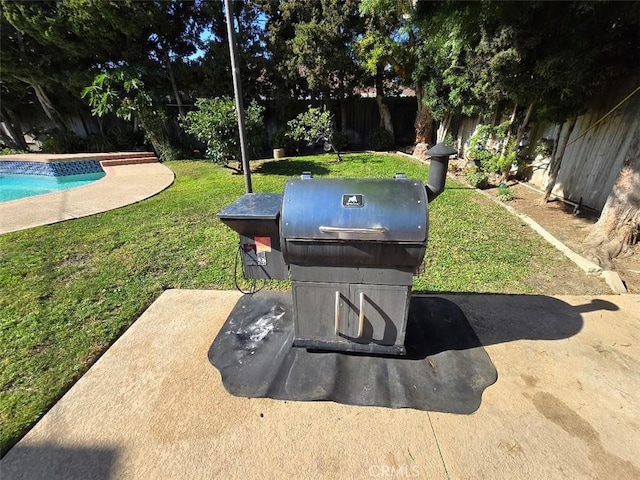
<point x="67" y="291"/>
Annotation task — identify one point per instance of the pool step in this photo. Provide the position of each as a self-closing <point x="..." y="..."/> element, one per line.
<point x="113" y="162"/>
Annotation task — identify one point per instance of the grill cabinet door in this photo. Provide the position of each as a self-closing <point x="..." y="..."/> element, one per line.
<point x="379" y="313"/>
<point x="318" y="308"/>
<point x="365" y="317"/>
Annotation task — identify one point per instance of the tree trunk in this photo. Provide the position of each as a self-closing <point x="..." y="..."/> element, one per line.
<point x="444" y="127"/>
<point x="618" y="228"/>
<point x="523" y="126"/>
<point x="46" y="104"/>
<point x="15" y="138"/>
<point x="383" y="108"/>
<point x="556" y="158"/>
<point x="343" y="116"/>
<point x="505" y="144"/>
<point x="424" y="119"/>
<point x="494" y="123"/>
<point x="344" y="96"/>
<point x="174" y="84"/>
<point x="504" y="174"/>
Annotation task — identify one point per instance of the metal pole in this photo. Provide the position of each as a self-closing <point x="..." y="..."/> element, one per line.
<point x="237" y="88"/>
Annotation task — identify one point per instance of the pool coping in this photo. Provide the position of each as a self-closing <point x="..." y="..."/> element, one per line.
<point x="122" y="185"/>
<point x="71" y="157"/>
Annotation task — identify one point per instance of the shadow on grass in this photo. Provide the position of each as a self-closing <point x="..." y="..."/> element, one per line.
<point x="290" y="168"/>
<point x="364" y="158"/>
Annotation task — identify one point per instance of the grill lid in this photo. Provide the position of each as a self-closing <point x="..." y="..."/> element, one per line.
<point x="371" y="209"/>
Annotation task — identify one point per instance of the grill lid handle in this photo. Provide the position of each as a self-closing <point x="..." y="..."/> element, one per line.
<point x="372" y="230"/>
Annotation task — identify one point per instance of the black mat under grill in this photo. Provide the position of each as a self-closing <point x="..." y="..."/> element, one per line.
<point x="445" y="370"/>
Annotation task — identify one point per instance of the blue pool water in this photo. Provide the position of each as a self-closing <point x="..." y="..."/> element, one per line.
<point x="14" y="186"/>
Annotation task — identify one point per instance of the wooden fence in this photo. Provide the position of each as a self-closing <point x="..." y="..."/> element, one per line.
<point x="595" y="151"/>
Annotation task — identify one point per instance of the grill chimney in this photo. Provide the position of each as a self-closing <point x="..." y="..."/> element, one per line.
<point x="439" y="155"/>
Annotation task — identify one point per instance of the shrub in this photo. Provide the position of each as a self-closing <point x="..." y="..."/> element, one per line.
<point x="494" y="163"/>
<point x="125" y="138"/>
<point x="476" y="178"/>
<point x="8" y="151"/>
<point x="448" y="140"/>
<point x="99" y="142"/>
<point x="489" y="159"/>
<point x="282" y="139"/>
<point x="381" y="139"/>
<point x="214" y="122"/>
<point x="123" y="92"/>
<point x="478" y="151"/>
<point x="314" y="126"/>
<point x="62" y="141"/>
<point x="544" y="147"/>
<point x="504" y="194"/>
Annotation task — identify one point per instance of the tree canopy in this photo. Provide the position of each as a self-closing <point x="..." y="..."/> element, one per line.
<point x="481" y="57"/>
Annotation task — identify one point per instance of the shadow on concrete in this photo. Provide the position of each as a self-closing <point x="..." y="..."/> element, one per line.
<point x="49" y="461"/>
<point x="507" y="318"/>
<point x="290" y="168"/>
<point x="446" y="367"/>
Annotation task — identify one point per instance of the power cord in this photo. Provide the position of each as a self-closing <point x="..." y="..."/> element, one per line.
<point x="254" y="281"/>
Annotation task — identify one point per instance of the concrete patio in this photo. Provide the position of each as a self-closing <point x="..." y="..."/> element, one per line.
<point x="566" y="405"/>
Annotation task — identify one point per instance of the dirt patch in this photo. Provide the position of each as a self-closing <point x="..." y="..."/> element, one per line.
<point x="571" y="227"/>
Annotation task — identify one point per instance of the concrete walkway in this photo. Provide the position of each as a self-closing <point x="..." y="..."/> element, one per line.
<point x="122" y="185"/>
<point x="566" y="405"/>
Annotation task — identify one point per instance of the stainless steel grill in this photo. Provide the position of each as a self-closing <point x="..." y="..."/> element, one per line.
<point x="354" y="222"/>
<point x="353" y="244"/>
<point x="352" y="247"/>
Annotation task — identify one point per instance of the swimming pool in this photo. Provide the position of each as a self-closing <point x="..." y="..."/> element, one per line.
<point x="14" y="186"/>
<point x="33" y="176"/>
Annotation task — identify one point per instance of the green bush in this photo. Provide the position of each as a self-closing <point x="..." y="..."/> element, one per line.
<point x="448" y="140"/>
<point x="125" y="138"/>
<point x="282" y="139"/>
<point x="489" y="159"/>
<point x="314" y="126"/>
<point x="476" y="178"/>
<point x="381" y="140"/>
<point x="122" y="91"/>
<point x="544" y="147"/>
<point x="504" y="194"/>
<point x="63" y="141"/>
<point x="496" y="164"/>
<point x="100" y="142"/>
<point x="214" y="122"/>
<point x="478" y="151"/>
<point x="8" y="151"/>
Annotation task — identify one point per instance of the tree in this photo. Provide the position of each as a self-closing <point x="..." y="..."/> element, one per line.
<point x="122" y="91"/>
<point x="314" y="126"/>
<point x="389" y="41"/>
<point x="27" y="66"/>
<point x="210" y="73"/>
<point x="380" y="47"/>
<point x="214" y="122"/>
<point x="618" y="228"/>
<point x="541" y="59"/>
<point x="56" y="48"/>
<point x="311" y="50"/>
